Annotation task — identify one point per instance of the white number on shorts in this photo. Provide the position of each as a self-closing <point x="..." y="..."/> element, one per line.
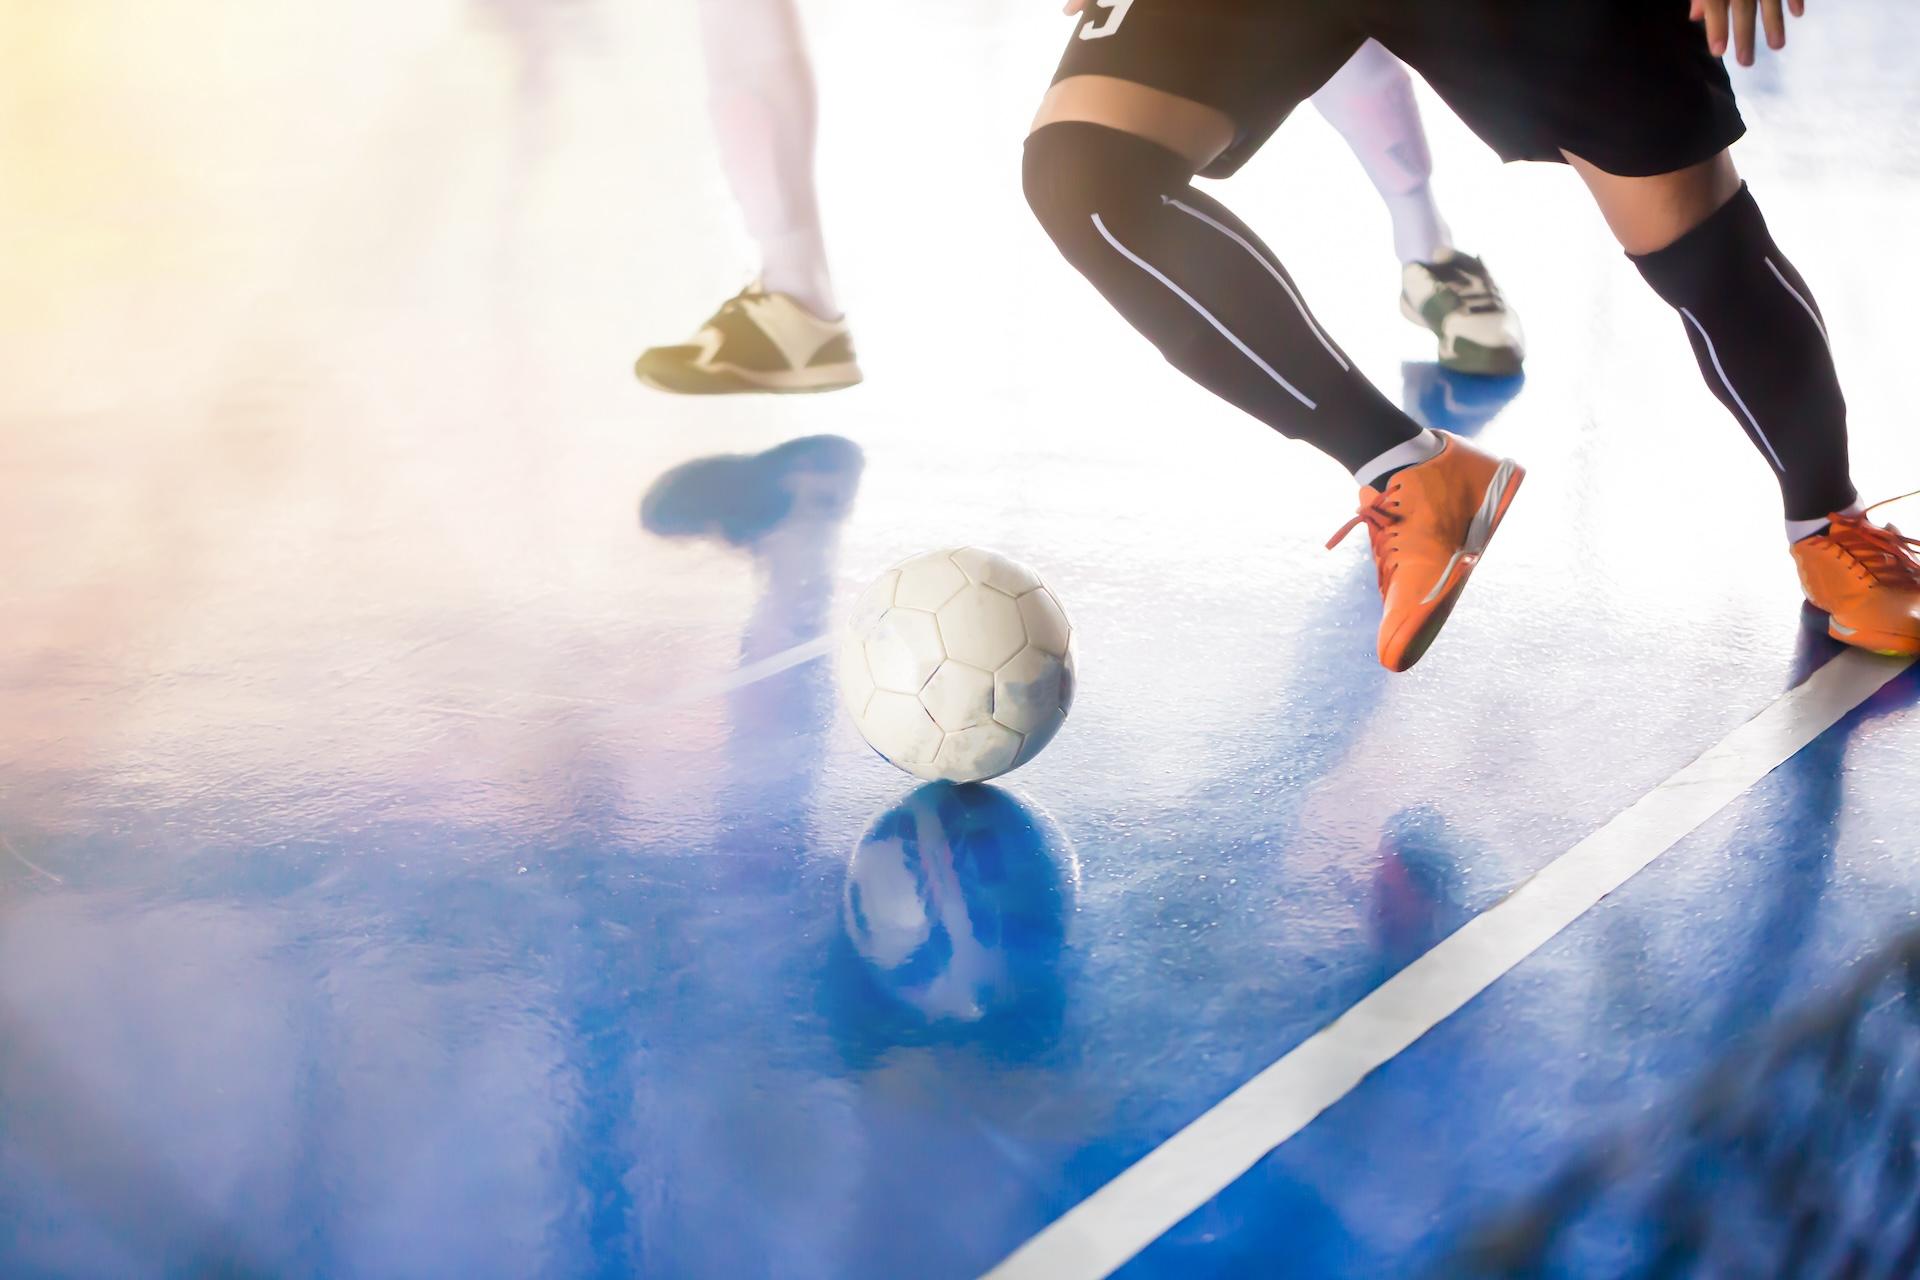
<point x="1116" y="14"/>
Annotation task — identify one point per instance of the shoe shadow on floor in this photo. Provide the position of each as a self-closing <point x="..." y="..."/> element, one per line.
<point x="744" y="499"/>
<point x="783" y="508"/>
<point x="1460" y="403"/>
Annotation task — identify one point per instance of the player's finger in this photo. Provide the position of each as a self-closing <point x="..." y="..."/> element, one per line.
<point x="1798" y="8"/>
<point x="1075" y="6"/>
<point x="1743" y="16"/>
<point x="1714" y="14"/>
<point x="1776" y="23"/>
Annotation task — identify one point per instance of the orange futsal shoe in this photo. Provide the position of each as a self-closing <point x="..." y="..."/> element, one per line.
<point x="1865" y="577"/>
<point x="1428" y="530"/>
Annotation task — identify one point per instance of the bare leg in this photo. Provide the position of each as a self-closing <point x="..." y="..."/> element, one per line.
<point x="1648" y="214"/>
<point x="1182" y="126"/>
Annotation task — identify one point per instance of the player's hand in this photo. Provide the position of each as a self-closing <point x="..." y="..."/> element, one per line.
<point x="1736" y="17"/>
<point x="1075" y="6"/>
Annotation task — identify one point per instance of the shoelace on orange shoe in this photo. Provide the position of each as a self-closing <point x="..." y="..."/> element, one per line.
<point x="1883" y="552"/>
<point x="1379" y="517"/>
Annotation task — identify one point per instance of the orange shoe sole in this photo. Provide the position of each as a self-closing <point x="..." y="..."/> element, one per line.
<point x="1884" y="643"/>
<point x="1423" y="627"/>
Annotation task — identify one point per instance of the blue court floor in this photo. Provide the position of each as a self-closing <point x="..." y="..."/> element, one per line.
<point x="430" y="845"/>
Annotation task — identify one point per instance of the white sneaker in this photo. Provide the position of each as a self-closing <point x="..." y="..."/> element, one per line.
<point x="1457" y="299"/>
<point x="756" y="341"/>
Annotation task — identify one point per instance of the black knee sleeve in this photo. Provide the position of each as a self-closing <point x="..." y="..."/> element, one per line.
<point x="1761" y="344"/>
<point x="1074" y="172"/>
<point x="1199" y="285"/>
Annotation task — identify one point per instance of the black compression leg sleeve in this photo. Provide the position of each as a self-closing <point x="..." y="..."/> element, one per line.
<point x="1762" y="347"/>
<point x="1202" y="288"/>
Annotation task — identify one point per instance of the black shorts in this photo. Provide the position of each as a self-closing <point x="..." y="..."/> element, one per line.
<point x="1627" y="85"/>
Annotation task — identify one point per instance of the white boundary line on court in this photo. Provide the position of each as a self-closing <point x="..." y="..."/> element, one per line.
<point x="1129" y="1213"/>
<point x="27" y="862"/>
<point x="754" y="672"/>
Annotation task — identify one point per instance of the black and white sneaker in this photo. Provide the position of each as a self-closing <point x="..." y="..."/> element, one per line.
<point x="1457" y="299"/>
<point x="756" y="341"/>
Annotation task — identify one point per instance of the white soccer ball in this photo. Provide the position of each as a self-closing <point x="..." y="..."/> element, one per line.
<point x="958" y="665"/>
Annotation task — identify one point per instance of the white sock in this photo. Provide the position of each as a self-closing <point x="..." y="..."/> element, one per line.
<point x="1415" y="451"/>
<point x="1370" y="101"/>
<point x="795" y="263"/>
<point x="761" y="96"/>
<point x="1798" y="529"/>
<point x="1420" y="234"/>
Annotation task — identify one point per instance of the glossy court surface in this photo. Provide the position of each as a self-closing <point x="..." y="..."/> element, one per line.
<point x="429" y="842"/>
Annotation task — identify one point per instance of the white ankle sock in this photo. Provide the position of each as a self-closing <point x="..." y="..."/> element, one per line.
<point x="1420" y="234"/>
<point x="1798" y="529"/>
<point x="795" y="264"/>
<point x="761" y="96"/>
<point x="1417" y="450"/>
<point x="1370" y="101"/>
